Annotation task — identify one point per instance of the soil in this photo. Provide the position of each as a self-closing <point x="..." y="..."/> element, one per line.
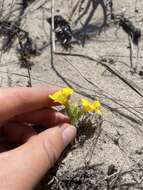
<point x="97" y="67"/>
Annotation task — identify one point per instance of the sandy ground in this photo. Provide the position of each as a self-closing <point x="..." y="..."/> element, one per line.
<point x="121" y="139"/>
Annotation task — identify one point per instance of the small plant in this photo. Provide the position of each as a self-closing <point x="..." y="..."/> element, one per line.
<point x="86" y="116"/>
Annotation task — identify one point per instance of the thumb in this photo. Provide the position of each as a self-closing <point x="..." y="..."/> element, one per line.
<point x="22" y="168"/>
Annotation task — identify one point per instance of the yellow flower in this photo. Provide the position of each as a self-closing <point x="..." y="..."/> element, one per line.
<point x="90" y="107"/>
<point x="62" y="96"/>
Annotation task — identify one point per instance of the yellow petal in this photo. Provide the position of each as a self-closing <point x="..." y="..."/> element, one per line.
<point x="67" y="91"/>
<point x="96" y="104"/>
<point x="85" y="102"/>
<point x="86" y="105"/>
<point x="96" y="107"/>
<point x="90" y="107"/>
<point x="62" y="96"/>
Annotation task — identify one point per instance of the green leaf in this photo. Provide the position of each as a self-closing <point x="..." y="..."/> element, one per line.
<point x="74" y="113"/>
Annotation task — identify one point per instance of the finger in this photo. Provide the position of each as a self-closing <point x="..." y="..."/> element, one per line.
<point x="15" y="101"/>
<point x="45" y="117"/>
<point x="17" y="133"/>
<point x="29" y="162"/>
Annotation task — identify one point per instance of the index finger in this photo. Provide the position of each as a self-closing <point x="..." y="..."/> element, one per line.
<point x="16" y="101"/>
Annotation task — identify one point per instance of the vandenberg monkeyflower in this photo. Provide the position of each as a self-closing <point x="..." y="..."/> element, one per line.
<point x="62" y="96"/>
<point x="90" y="107"/>
<point x="73" y="110"/>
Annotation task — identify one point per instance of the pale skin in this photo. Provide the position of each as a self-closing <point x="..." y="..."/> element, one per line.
<point x="22" y="167"/>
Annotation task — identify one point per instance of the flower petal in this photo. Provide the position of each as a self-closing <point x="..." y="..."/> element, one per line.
<point x="62" y="96"/>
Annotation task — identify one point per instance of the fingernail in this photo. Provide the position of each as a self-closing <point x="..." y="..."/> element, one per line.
<point x="69" y="134"/>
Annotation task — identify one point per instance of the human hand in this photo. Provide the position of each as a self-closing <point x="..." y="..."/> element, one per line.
<point x="22" y="167"/>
